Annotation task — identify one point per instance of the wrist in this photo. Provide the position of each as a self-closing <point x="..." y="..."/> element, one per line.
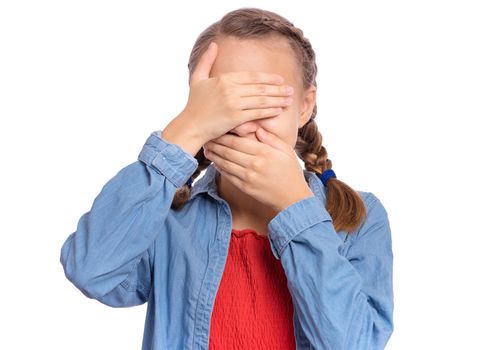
<point x="180" y="133"/>
<point x="305" y="193"/>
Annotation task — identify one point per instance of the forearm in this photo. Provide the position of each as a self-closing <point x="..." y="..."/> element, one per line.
<point x="341" y="302"/>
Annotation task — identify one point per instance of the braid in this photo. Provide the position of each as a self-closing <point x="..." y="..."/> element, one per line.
<point x="343" y="203"/>
<point x="183" y="193"/>
<point x="310" y="149"/>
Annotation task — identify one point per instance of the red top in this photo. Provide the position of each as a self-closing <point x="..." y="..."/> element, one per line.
<point x="253" y="307"/>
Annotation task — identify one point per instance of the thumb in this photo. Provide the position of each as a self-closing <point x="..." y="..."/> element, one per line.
<point x="203" y="67"/>
<point x="270" y="139"/>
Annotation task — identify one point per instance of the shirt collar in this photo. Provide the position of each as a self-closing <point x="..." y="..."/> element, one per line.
<point x="207" y="183"/>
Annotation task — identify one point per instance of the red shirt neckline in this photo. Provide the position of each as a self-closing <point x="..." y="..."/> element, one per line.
<point x="244" y="231"/>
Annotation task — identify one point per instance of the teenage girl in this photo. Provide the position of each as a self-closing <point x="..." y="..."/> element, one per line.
<point x="259" y="253"/>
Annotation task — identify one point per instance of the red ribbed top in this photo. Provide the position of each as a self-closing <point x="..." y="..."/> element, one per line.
<point x="253" y="307"/>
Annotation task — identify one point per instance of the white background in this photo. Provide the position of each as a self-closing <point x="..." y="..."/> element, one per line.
<point x="403" y="102"/>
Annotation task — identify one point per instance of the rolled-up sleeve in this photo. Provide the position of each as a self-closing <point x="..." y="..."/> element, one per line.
<point x="109" y="255"/>
<point x="342" y="292"/>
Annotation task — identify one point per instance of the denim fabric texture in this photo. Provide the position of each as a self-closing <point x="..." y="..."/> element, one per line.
<point x="131" y="248"/>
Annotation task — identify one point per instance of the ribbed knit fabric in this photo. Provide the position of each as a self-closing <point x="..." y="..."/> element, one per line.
<point x="253" y="307"/>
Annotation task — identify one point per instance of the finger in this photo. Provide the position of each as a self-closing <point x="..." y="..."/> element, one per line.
<point x="203" y="67"/>
<point x="252" y="114"/>
<point x="238" y="182"/>
<point x="272" y="140"/>
<point x="228" y="166"/>
<point x="265" y="90"/>
<point x="242" y="144"/>
<point x="253" y="102"/>
<point x="221" y="152"/>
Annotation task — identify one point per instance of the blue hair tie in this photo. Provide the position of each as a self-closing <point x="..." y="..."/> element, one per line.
<point x="327" y="174"/>
<point x="189" y="182"/>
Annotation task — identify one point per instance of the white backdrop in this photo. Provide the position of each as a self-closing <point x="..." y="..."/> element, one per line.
<point x="403" y="94"/>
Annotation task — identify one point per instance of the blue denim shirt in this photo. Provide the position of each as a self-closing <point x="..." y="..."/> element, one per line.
<point x="132" y="248"/>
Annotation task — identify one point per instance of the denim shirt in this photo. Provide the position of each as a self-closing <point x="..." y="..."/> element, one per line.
<point x="132" y="248"/>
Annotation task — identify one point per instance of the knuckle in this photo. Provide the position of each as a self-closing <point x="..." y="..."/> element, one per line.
<point x="221" y="81"/>
<point x="262" y="154"/>
<point x="262" y="101"/>
<point x="256" y="165"/>
<point x="234" y="142"/>
<point x="225" y="153"/>
<point x="226" y="166"/>
<point x="250" y="177"/>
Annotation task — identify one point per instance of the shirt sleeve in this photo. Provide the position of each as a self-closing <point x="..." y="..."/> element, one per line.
<point x="342" y="293"/>
<point x="108" y="257"/>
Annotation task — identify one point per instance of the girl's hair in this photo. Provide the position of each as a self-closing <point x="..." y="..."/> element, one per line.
<point x="344" y="204"/>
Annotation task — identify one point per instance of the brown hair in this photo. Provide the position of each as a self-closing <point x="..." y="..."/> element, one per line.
<point x="344" y="204"/>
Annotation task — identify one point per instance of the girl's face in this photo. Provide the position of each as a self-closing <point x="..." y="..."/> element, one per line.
<point x="271" y="55"/>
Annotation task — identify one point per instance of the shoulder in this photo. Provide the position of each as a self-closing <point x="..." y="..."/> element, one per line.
<point x="374" y="234"/>
<point x="373" y="204"/>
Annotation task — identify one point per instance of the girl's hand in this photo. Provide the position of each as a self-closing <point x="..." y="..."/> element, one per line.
<point x="267" y="170"/>
<point x="219" y="104"/>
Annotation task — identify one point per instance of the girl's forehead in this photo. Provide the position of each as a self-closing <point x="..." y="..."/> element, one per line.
<point x="272" y="55"/>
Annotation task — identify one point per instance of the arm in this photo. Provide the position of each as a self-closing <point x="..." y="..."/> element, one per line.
<point x="109" y="256"/>
<point x="341" y="302"/>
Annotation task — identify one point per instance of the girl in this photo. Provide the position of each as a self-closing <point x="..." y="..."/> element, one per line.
<point x="258" y="253"/>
